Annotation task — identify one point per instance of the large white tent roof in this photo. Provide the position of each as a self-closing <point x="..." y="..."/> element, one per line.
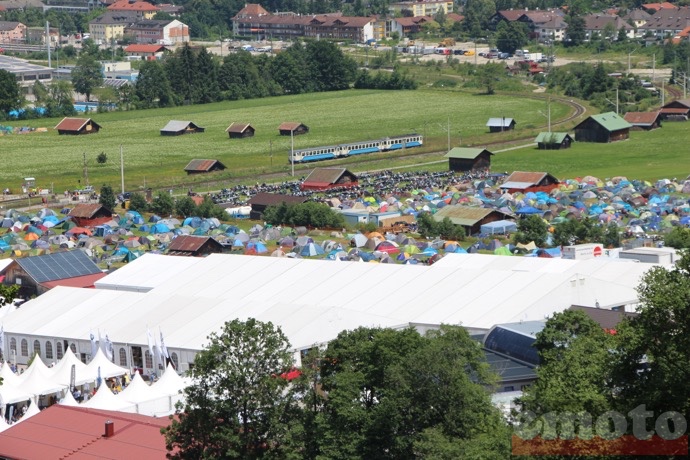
<point x="313" y="300"/>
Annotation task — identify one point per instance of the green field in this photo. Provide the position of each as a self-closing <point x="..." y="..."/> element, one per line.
<point x="153" y="160"/>
<point x="662" y="153"/>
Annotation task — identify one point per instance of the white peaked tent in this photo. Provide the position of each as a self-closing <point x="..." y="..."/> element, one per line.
<point x="30" y="412"/>
<point x="68" y="400"/>
<point x="105" y="399"/>
<point x="138" y="391"/>
<point x="108" y="368"/>
<point x="8" y="376"/>
<point x="170" y="382"/>
<point x="10" y="394"/>
<point x="62" y="372"/>
<point x="37" y="379"/>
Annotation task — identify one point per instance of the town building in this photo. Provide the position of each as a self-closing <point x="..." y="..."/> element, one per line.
<point x="12" y="32"/>
<point x="162" y="32"/>
<point x="606" y="27"/>
<point x="110" y="26"/>
<point x="424" y="8"/>
<point x="143" y="10"/>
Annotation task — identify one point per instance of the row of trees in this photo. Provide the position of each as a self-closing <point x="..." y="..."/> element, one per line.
<point x="572" y="231"/>
<point x="189" y="77"/>
<point x="163" y="204"/>
<point x="306" y="214"/>
<point x="372" y="393"/>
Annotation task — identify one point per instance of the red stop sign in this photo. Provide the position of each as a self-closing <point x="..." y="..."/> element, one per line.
<point x="597" y="251"/>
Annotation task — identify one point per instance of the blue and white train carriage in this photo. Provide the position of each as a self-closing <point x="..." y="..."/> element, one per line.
<point x="358" y="148"/>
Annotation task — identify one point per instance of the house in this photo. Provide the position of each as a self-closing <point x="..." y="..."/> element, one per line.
<point x="261" y="201"/>
<point x="177" y="128"/>
<point x="678" y="110"/>
<point x="238" y="130"/>
<point x="637" y="18"/>
<point x="12" y="32"/>
<point x="507" y="16"/>
<point x="601" y="25"/>
<point x="498" y="125"/>
<point x="203" y="166"/>
<point x="90" y="215"/>
<point x="110" y="26"/>
<point x="545" y="25"/>
<point x="327" y="178"/>
<point x="408" y="26"/>
<point x="470" y="218"/>
<point x="292" y="128"/>
<point x="553" y="141"/>
<point x="656" y="7"/>
<point x="523" y="182"/>
<point x="194" y="246"/>
<point x="667" y="22"/>
<point x="77" y="126"/>
<point x="61" y="431"/>
<point x="466" y="159"/>
<point x="605" y="127"/>
<point x="357" y="29"/>
<point x="643" y="120"/>
<point x="168" y="32"/>
<point x="146" y="52"/>
<point x="38" y="274"/>
<point x="143" y="10"/>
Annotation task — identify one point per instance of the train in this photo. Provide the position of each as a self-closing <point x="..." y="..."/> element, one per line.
<point x="357" y="148"/>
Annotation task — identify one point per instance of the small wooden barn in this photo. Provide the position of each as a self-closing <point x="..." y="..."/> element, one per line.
<point x="643" y="121"/>
<point x="240" y="130"/>
<point x="605" y="127"/>
<point x="90" y="215"/>
<point x="287" y="128"/>
<point x="263" y="200"/>
<point x="498" y="125"/>
<point x="553" y="141"/>
<point x="76" y="126"/>
<point x="678" y="110"/>
<point x="194" y="246"/>
<point x="470" y="218"/>
<point x="523" y="182"/>
<point x="177" y="128"/>
<point x="466" y="159"/>
<point x="203" y="166"/>
<point x="327" y="178"/>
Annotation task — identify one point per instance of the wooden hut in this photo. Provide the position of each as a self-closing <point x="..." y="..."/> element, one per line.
<point x="678" y="110"/>
<point x="326" y="178"/>
<point x="645" y="121"/>
<point x="76" y="126"/>
<point x="553" y="141"/>
<point x="292" y="128"/>
<point x="203" y="166"/>
<point x="240" y="130"/>
<point x="177" y="128"/>
<point x="523" y="182"/>
<point x="90" y="214"/>
<point x="498" y="125"/>
<point x="465" y="159"/>
<point x="605" y="127"/>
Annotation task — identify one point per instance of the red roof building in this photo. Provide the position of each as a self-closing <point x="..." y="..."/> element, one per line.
<point x="146" y="51"/>
<point x="195" y="246"/>
<point x="523" y="182"/>
<point x="77" y="126"/>
<point x="327" y="178"/>
<point x="90" y="215"/>
<point x="75" y="432"/>
<point x="643" y="120"/>
<point x="145" y="10"/>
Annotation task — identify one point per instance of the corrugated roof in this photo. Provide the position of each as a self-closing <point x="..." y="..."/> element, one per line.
<point x="236" y="127"/>
<point x="683" y="102"/>
<point x="641" y="118"/>
<point x="611" y="121"/>
<point x="86" y="281"/>
<point x="674" y="110"/>
<point x="177" y="125"/>
<point x="498" y="122"/>
<point x="125" y="5"/>
<point x="203" y="165"/>
<point x="86" y="210"/>
<point x="607" y="319"/>
<point x="189" y="243"/>
<point x="268" y="199"/>
<point x="76" y="432"/>
<point x="464" y="215"/>
<point x="144" y="48"/>
<point x="326" y="176"/>
<point x="72" y="124"/>
<point x="465" y="153"/>
<point x="550" y="138"/>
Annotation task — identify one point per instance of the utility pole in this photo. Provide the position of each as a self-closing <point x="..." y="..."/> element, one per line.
<point x="654" y="67"/>
<point x="86" y="171"/>
<point x="663" y="95"/>
<point x="122" y="170"/>
<point x="449" y="133"/>
<point x="292" y="152"/>
<point x="270" y="146"/>
<point x="48" y="41"/>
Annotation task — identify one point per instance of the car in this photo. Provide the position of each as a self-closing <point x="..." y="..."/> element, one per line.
<point x="459" y="52"/>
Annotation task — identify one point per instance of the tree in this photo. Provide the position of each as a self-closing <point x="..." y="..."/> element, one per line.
<point x="162" y="204"/>
<point x="153" y="87"/>
<point x="10" y="94"/>
<point x="185" y="207"/>
<point x="182" y="73"/>
<point x="532" y="228"/>
<point x="489" y="75"/>
<point x="387" y="391"/>
<point x="238" y="405"/>
<point x="60" y="102"/>
<point x="207" y="84"/>
<point x="102" y="158"/>
<point x="137" y="202"/>
<point x="87" y="76"/>
<point x="510" y="36"/>
<point x="678" y="238"/>
<point x="8" y="294"/>
<point x="107" y="197"/>
<point x="330" y="69"/>
<point x="575" y="31"/>
<point x="654" y="348"/>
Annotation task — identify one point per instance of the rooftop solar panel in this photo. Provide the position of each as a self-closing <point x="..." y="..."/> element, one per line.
<point x="61" y="265"/>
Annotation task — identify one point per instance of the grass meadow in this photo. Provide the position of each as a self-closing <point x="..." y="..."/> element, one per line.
<point x="152" y="160"/>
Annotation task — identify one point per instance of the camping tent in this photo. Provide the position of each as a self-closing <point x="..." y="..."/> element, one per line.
<point x="498" y="227"/>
